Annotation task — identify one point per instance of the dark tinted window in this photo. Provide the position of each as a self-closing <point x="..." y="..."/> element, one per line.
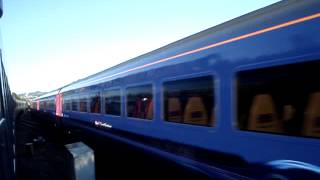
<point x="51" y="104"/>
<point x="283" y="99"/>
<point x="67" y="104"/>
<point x="189" y="101"/>
<point x="112" y="99"/>
<point x="47" y="104"/>
<point x="139" y="102"/>
<point x="74" y="105"/>
<point x="43" y="104"/>
<point x="95" y="103"/>
<point x="83" y="105"/>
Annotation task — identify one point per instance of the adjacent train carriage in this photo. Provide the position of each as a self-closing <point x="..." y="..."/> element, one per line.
<point x="7" y="137"/>
<point x="241" y="98"/>
<point x="7" y="134"/>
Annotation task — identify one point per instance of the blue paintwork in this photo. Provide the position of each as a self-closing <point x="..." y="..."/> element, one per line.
<point x="291" y="44"/>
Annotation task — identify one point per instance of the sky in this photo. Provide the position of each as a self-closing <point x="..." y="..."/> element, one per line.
<point x="47" y="44"/>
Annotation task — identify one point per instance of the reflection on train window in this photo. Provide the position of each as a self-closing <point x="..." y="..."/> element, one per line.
<point x="95" y="103"/>
<point x="74" y="105"/>
<point x="83" y="105"/>
<point x="112" y="99"/>
<point x="190" y="101"/>
<point x="283" y="99"/>
<point x="139" y="102"/>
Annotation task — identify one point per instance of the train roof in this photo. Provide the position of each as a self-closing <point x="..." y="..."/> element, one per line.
<point x="49" y="94"/>
<point x="225" y="30"/>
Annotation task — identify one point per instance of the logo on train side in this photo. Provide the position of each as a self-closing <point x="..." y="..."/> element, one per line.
<point x="102" y="124"/>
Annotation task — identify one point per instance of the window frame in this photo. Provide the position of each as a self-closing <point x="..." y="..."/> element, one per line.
<point x="103" y="105"/>
<point x="215" y="100"/>
<point x="51" y="102"/>
<point x="67" y="99"/>
<point x="83" y="96"/>
<point x="153" y="90"/>
<point x="77" y="98"/>
<point x="89" y="96"/>
<point x="235" y="96"/>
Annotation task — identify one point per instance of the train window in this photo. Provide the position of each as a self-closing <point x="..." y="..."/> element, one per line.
<point x="83" y="104"/>
<point x="139" y="102"/>
<point x="67" y="104"/>
<point x="47" y="104"/>
<point x="189" y="101"/>
<point x="43" y="105"/>
<point x="51" y="104"/>
<point x="64" y="105"/>
<point x="283" y="99"/>
<point x="112" y="100"/>
<point x="74" y="105"/>
<point x="95" y="103"/>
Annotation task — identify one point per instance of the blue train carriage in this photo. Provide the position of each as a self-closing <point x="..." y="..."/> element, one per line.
<point x="239" y="99"/>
